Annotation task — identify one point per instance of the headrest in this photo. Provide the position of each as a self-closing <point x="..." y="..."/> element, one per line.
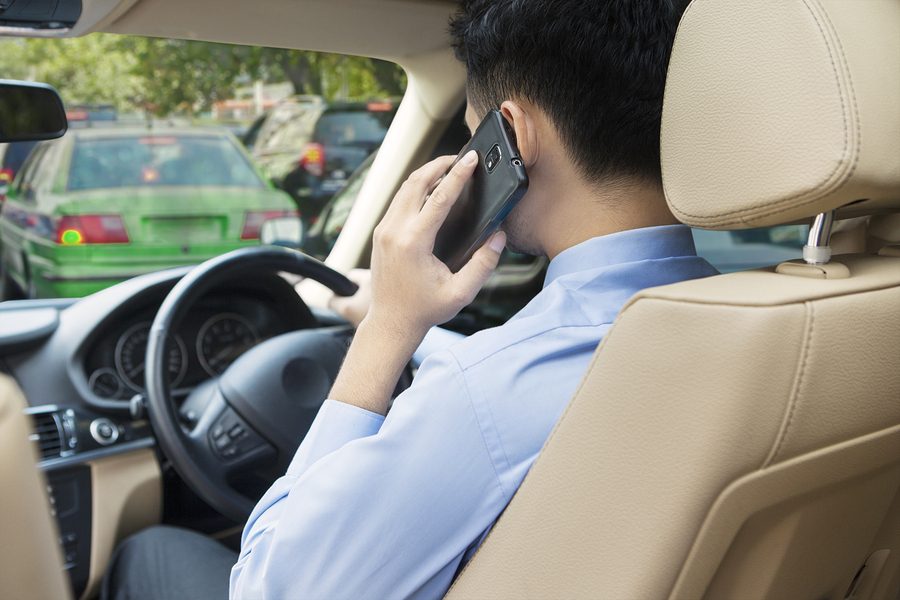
<point x="777" y="111"/>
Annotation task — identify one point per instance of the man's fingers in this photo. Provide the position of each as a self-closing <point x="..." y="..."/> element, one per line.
<point x="441" y="200"/>
<point x="360" y="276"/>
<point x="409" y="198"/>
<point x="474" y="273"/>
<point x="421" y="181"/>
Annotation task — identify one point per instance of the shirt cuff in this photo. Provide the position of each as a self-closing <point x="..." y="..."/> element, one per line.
<point x="336" y="424"/>
<point x="435" y="340"/>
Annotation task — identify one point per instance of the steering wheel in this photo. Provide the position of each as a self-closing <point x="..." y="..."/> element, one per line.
<point x="256" y="413"/>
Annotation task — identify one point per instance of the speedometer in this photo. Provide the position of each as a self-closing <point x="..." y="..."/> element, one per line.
<point x="222" y="339"/>
<point x="131" y="352"/>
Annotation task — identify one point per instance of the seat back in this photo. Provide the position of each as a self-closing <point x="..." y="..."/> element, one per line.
<point x="739" y="436"/>
<point x="30" y="558"/>
<point x="749" y="447"/>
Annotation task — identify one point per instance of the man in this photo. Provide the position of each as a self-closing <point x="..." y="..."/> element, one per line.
<point x="392" y="507"/>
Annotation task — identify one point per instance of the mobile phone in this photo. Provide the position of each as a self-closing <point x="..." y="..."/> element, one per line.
<point x="498" y="183"/>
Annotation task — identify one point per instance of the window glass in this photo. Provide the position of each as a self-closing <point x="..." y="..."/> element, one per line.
<point x="152" y="173"/>
<point x="25" y="180"/>
<point x="744" y="249"/>
<point x="346" y="128"/>
<point x="15" y="155"/>
<point x="287" y="126"/>
<point x="158" y="160"/>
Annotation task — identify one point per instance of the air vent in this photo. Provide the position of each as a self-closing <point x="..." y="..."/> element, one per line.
<point x="47" y="435"/>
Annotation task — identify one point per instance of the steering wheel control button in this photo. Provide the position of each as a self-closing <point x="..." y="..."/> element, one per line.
<point x="230" y="437"/>
<point x="104" y="431"/>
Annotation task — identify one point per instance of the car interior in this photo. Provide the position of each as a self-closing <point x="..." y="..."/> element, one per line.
<point x="736" y="436"/>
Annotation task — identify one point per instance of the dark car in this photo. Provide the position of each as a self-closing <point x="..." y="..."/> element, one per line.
<point x="309" y="148"/>
<point x="344" y="136"/>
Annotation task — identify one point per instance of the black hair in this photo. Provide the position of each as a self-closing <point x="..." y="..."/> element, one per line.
<point x="597" y="68"/>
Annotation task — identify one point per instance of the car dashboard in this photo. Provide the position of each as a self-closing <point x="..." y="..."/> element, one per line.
<point x="80" y="364"/>
<point x="212" y="335"/>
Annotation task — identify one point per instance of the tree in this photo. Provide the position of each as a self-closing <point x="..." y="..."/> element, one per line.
<point x="165" y="76"/>
<point x="82" y="69"/>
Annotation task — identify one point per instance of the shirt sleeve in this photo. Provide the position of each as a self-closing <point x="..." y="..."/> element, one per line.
<point x="388" y="513"/>
<point x="436" y="339"/>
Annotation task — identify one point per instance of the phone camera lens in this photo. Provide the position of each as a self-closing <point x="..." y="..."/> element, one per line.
<point x="516" y="162"/>
<point x="492" y="158"/>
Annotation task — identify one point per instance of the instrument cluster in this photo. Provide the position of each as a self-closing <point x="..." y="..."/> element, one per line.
<point x="210" y="338"/>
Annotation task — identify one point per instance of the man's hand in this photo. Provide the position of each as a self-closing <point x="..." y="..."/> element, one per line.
<point x="411" y="290"/>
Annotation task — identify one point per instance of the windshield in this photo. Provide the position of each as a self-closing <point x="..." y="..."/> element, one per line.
<point x="153" y="173"/>
<point x="159" y="160"/>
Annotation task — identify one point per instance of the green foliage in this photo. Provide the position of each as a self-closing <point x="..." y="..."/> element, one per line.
<point x="165" y="76"/>
<point x="90" y="69"/>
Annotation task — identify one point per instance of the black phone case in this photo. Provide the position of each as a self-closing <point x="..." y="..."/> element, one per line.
<point x="487" y="198"/>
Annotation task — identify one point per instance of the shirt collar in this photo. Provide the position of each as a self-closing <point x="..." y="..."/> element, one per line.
<point x="647" y="243"/>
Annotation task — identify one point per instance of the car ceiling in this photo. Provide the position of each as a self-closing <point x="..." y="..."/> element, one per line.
<point x="405" y="28"/>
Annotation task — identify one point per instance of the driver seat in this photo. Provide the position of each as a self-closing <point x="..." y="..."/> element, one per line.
<point x="739" y="436"/>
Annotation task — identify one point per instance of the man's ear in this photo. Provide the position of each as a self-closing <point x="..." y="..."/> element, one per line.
<point x="519" y="116"/>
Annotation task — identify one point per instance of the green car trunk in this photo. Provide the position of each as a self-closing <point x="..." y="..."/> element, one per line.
<point x="166" y="227"/>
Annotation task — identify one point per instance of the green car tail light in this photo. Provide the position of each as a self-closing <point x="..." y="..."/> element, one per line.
<point x="254" y="219"/>
<point x="91" y="229"/>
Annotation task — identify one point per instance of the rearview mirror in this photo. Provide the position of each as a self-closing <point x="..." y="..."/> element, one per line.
<point x="30" y="112"/>
<point x="283" y="231"/>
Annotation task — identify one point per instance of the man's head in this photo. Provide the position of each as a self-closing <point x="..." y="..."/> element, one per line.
<point x="585" y="79"/>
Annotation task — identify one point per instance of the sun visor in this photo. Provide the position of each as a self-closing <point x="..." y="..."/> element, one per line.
<point x="30" y="17"/>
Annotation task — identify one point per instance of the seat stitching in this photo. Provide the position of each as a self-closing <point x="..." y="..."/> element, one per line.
<point x="794" y="399"/>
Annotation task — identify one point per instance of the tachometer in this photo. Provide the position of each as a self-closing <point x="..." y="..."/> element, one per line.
<point x="222" y="339"/>
<point x="106" y="383"/>
<point x="131" y="351"/>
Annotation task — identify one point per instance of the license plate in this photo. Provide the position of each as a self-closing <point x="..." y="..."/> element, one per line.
<point x="333" y="185"/>
<point x="184" y="230"/>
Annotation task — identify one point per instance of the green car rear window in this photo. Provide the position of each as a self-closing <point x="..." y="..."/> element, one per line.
<point x="159" y="160"/>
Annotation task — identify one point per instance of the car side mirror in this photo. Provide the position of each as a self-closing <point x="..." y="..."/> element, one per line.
<point x="283" y="231"/>
<point x="30" y="112"/>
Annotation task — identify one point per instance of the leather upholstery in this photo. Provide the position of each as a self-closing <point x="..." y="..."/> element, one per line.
<point x="697" y="386"/>
<point x="777" y="111"/>
<point x="739" y="436"/>
<point x="30" y="559"/>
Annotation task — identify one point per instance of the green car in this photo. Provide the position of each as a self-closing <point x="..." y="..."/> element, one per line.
<point x="102" y="205"/>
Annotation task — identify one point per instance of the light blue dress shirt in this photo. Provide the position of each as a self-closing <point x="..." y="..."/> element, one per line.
<point x="375" y="507"/>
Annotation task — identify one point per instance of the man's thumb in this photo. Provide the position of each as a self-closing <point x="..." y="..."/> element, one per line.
<point x="475" y="272"/>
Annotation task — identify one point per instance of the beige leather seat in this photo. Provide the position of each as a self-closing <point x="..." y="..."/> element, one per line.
<point x="30" y="559"/>
<point x="739" y="436"/>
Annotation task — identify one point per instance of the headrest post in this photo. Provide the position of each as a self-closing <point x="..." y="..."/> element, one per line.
<point x="817" y="250"/>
